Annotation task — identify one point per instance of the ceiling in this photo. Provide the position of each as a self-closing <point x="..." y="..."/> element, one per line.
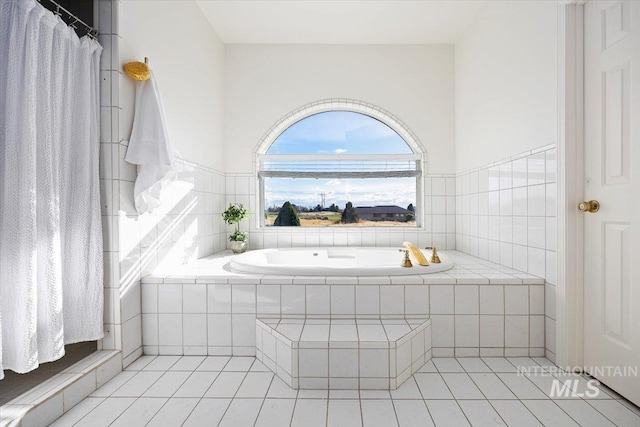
<point x="340" y="21"/>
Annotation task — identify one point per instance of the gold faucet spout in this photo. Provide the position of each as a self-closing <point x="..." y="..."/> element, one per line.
<point x="417" y="253"/>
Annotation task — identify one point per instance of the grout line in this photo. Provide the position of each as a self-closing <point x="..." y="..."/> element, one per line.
<point x="361" y="412"/>
<point x="454" y="396"/>
<point x="326" y="418"/>
<point x="136" y="398"/>
<point x="216" y="378"/>
<point x="295" y="404"/>
<point x="355" y="322"/>
<point x="509" y="388"/>
<point x="601" y="413"/>
<point x="173" y="394"/>
<point x="424" y="401"/>
<point x="486" y="398"/>
<point x="273" y="375"/>
<point x="103" y="402"/>
<point x="236" y="392"/>
<point x="194" y="406"/>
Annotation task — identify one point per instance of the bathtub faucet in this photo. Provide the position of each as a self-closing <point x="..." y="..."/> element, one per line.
<point x="434" y="254"/>
<point x="417" y="253"/>
<point x="406" y="262"/>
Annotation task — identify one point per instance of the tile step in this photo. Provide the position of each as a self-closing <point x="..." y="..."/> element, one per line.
<point x="353" y="353"/>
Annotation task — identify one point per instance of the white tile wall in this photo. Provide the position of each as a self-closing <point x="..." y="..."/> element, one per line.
<point x="110" y="170"/>
<point x="184" y="228"/>
<point x="187" y="226"/>
<point x="506" y="213"/>
<point x="181" y="230"/>
<point x="439" y="225"/>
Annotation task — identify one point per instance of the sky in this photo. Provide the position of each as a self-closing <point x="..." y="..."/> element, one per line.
<point x="360" y="192"/>
<point x="340" y="132"/>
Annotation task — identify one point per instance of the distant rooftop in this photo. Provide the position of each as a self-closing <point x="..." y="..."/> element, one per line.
<point x="387" y="209"/>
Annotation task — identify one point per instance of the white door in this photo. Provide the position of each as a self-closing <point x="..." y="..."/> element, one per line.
<point x="612" y="177"/>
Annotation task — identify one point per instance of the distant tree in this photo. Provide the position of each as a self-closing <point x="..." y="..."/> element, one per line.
<point x="318" y="208"/>
<point x="411" y="208"/>
<point x="409" y="217"/>
<point x="349" y="214"/>
<point x="334" y="208"/>
<point x="287" y="216"/>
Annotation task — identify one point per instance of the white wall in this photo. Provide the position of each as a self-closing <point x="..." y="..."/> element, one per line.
<point x="187" y="58"/>
<point x="266" y="82"/>
<point x="506" y="106"/>
<point x="506" y="82"/>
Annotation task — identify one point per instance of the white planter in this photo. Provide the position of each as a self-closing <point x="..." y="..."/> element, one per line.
<point x="239" y="247"/>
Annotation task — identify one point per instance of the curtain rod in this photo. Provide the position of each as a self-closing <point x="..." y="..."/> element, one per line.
<point x="91" y="32"/>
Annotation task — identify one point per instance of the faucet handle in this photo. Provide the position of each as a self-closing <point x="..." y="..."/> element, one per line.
<point x="434" y="255"/>
<point x="406" y="262"/>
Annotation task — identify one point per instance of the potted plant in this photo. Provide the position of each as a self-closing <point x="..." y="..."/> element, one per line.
<point x="233" y="215"/>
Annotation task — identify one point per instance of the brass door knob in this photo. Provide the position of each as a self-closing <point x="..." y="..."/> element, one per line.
<point x="590" y="206"/>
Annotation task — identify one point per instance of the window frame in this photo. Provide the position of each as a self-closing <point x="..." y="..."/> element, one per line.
<point x="418" y="154"/>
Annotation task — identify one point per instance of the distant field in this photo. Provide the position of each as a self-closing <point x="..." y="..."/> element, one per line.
<point x="326" y="219"/>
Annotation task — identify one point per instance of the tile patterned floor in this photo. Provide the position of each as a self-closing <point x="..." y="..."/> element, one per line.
<point x="208" y="391"/>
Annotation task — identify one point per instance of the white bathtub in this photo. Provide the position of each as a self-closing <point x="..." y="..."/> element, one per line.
<point x="333" y="262"/>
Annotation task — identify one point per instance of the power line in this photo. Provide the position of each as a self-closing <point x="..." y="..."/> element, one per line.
<point x="323" y="197"/>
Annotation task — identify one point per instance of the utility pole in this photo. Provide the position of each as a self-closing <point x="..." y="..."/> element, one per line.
<point x="323" y="197"/>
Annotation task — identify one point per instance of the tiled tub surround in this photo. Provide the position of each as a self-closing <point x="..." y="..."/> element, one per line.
<point x="506" y="213"/>
<point x="476" y="308"/>
<point x="338" y="354"/>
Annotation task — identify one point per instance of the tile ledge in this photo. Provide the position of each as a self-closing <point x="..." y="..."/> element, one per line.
<point x="14" y="411"/>
<point x="467" y="269"/>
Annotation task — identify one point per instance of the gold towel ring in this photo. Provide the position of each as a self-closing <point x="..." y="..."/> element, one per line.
<point x="138" y="70"/>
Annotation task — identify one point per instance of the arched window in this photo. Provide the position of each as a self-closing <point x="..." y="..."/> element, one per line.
<point x="326" y="160"/>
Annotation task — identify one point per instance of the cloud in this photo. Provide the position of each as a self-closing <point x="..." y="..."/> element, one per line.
<point x="339" y="151"/>
<point x="361" y="192"/>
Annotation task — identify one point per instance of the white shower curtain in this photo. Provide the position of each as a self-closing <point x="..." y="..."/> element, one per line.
<point x="51" y="290"/>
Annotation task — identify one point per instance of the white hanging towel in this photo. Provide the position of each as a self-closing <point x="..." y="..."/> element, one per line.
<point x="149" y="147"/>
